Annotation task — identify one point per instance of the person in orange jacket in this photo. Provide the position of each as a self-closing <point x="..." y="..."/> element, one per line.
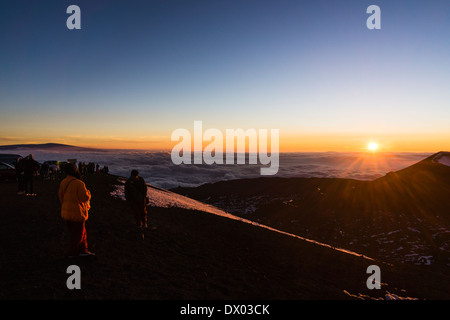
<point x="75" y="204"/>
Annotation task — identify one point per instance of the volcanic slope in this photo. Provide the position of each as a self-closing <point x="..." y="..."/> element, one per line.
<point x="401" y="217"/>
<point x="193" y="254"/>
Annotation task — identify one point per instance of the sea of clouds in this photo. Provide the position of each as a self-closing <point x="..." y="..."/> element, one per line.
<point x="157" y="167"/>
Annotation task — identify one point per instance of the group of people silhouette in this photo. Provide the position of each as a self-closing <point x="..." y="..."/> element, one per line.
<point x="25" y="171"/>
<point x="75" y="197"/>
<point x="91" y="168"/>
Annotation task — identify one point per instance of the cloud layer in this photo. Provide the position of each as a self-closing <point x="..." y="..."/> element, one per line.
<point x="157" y="167"/>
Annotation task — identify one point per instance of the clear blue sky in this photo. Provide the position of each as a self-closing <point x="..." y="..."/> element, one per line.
<point x="137" y="70"/>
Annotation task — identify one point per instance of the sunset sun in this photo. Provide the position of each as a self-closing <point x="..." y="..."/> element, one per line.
<point x="372" y="146"/>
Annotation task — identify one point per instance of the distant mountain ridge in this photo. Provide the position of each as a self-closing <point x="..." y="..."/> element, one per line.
<point x="48" y="146"/>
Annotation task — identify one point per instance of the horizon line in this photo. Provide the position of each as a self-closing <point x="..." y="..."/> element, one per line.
<point x="93" y="148"/>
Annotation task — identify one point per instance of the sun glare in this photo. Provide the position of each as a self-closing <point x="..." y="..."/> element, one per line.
<point x="372" y="146"/>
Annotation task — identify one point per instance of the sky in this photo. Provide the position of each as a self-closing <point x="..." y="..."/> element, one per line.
<point x="138" y="70"/>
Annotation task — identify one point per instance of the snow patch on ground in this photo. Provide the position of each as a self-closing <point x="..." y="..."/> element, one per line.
<point x="442" y="158"/>
<point x="166" y="199"/>
<point x="387" y="296"/>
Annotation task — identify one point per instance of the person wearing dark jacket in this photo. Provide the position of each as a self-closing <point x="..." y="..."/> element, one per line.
<point x="136" y="196"/>
<point x="29" y="166"/>
<point x="18" y="164"/>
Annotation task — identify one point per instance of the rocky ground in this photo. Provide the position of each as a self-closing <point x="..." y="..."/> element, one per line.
<point x="192" y="255"/>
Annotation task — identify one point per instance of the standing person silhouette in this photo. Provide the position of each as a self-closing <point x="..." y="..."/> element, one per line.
<point x="18" y="164"/>
<point x="75" y="204"/>
<point x="136" y="196"/>
<point x="29" y="166"/>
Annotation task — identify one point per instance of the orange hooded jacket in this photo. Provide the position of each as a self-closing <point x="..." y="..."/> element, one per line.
<point x="74" y="199"/>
